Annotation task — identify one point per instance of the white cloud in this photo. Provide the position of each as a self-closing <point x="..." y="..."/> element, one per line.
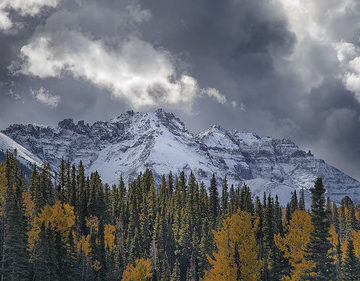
<point x="129" y="67"/>
<point x="5" y="21"/>
<point x="136" y="71"/>
<point x="324" y="31"/>
<point x="45" y="97"/>
<point x="212" y="92"/>
<point x="23" y="8"/>
<point x="14" y="95"/>
<point x="349" y="57"/>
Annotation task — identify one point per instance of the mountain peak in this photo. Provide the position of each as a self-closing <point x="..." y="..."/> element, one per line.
<point x="67" y="124"/>
<point x="135" y="141"/>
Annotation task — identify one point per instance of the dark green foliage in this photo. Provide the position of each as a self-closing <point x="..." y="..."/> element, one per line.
<point x="224" y="197"/>
<point x="246" y="203"/>
<point x="213" y="201"/>
<point x="15" y="259"/>
<point x="351" y="264"/>
<point x="302" y="200"/>
<point x="319" y="245"/>
<point x="171" y="224"/>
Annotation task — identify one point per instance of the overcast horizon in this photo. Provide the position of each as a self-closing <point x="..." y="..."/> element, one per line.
<point x="280" y="68"/>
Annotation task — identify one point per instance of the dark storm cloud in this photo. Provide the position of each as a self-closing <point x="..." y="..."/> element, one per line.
<point x="281" y="68"/>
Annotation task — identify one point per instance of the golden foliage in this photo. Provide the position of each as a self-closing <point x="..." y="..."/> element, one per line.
<point x="141" y="271"/>
<point x="60" y="217"/>
<point x="293" y="244"/>
<point x="334" y="238"/>
<point x="3" y="185"/>
<point x="109" y="236"/>
<point x="93" y="223"/>
<point x="96" y="265"/>
<point x="83" y="245"/>
<point x="237" y="233"/>
<point x="29" y="205"/>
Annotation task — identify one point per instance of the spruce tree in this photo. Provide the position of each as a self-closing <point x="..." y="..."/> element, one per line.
<point x="15" y="257"/>
<point x="319" y="245"/>
<point x="351" y="264"/>
<point x="224" y="197"/>
<point x="213" y="201"/>
<point x="302" y="200"/>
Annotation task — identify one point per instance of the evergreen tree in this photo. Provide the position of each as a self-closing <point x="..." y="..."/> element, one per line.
<point x="213" y="201"/>
<point x="319" y="245"/>
<point x="224" y="197"/>
<point x="15" y="258"/>
<point x="82" y="199"/>
<point x="351" y="264"/>
<point x="246" y="203"/>
<point x="60" y="187"/>
<point x="302" y="200"/>
<point x="46" y="260"/>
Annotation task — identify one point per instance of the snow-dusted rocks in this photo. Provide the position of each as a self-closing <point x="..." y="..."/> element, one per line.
<point x="24" y="156"/>
<point x="132" y="142"/>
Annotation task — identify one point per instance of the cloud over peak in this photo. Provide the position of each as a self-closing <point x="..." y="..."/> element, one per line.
<point x="129" y="67"/>
<point x="44" y="96"/>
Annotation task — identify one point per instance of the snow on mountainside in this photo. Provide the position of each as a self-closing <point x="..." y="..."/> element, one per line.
<point x="24" y="156"/>
<point x="133" y="142"/>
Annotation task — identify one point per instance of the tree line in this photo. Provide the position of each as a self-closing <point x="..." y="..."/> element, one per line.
<point x="75" y="227"/>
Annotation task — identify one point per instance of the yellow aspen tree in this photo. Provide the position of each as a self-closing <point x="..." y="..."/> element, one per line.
<point x="334" y="239"/>
<point x="3" y="185"/>
<point x="83" y="245"/>
<point x="140" y="272"/>
<point x="237" y="251"/>
<point x="293" y="244"/>
<point x="60" y="216"/>
<point x="109" y="237"/>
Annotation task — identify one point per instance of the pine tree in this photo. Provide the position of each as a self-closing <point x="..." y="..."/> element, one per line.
<point x="60" y="188"/>
<point x="274" y="264"/>
<point x="351" y="264"/>
<point x="44" y="192"/>
<point x="224" y="197"/>
<point x="293" y="202"/>
<point x="213" y="201"/>
<point x="15" y="258"/>
<point x="82" y="203"/>
<point x="34" y="181"/>
<point x="302" y="200"/>
<point x="245" y="200"/>
<point x="72" y="196"/>
<point x="46" y="260"/>
<point x="319" y="245"/>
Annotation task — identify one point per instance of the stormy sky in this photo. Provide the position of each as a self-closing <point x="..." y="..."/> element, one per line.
<point x="284" y="68"/>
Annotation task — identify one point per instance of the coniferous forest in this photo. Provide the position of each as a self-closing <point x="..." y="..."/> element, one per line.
<point x="71" y="226"/>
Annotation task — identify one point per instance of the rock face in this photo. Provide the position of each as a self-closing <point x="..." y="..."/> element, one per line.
<point x="132" y="142"/>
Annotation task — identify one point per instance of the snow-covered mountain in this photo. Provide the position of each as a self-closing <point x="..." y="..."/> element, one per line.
<point x="132" y="142"/>
<point x="24" y="156"/>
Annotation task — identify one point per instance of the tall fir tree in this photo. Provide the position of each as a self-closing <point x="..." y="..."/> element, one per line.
<point x="319" y="245"/>
<point x="15" y="258"/>
<point x="213" y="201"/>
<point x="351" y="264"/>
<point x="224" y="197"/>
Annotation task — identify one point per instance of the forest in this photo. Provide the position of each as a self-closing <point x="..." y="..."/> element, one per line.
<point x="72" y="226"/>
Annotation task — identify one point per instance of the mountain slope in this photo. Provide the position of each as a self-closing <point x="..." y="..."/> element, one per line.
<point x="133" y="142"/>
<point x="24" y="156"/>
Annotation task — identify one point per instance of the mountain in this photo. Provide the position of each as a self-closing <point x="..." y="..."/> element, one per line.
<point x="132" y="142"/>
<point x="25" y="157"/>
